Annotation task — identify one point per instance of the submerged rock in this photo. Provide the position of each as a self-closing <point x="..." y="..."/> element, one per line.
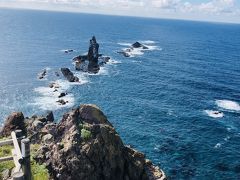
<point x="69" y="75"/>
<point x="68" y="51"/>
<point x="62" y="102"/>
<point x="42" y="74"/>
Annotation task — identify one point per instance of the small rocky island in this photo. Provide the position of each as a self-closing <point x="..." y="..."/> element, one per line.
<point x="127" y="51"/>
<point x="83" y="145"/>
<point x="92" y="61"/>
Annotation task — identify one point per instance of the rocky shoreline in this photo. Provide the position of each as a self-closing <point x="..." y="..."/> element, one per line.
<point x="83" y="145"/>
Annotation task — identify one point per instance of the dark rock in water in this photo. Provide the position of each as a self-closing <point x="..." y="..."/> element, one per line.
<point x="68" y="50"/>
<point x="13" y="122"/>
<point x="81" y="63"/>
<point x="62" y="102"/>
<point x="54" y="85"/>
<point x="124" y="53"/>
<point x="84" y="145"/>
<point x="57" y="74"/>
<point x="139" y="45"/>
<point x="42" y="74"/>
<point x="69" y="75"/>
<point x="93" y="55"/>
<point x="62" y="95"/>
<point x="103" y="60"/>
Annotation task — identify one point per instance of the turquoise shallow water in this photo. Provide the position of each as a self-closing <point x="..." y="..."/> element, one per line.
<point x="156" y="100"/>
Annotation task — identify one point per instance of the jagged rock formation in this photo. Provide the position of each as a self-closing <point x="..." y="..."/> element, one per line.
<point x="84" y="145"/>
<point x="69" y="75"/>
<point x="93" y="55"/>
<point x="92" y="61"/>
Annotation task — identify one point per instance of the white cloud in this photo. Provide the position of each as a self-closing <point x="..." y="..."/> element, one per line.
<point x="152" y="8"/>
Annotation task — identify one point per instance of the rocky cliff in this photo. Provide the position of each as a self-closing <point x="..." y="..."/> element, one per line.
<point x="83" y="145"/>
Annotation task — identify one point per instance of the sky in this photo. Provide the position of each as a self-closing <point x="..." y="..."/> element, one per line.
<point x="201" y="10"/>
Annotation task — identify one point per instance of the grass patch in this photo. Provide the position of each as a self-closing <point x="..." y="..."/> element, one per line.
<point x="39" y="172"/>
<point x="85" y="134"/>
<point x="6" y="150"/>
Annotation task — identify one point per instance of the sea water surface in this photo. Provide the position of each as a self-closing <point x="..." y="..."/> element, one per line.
<point x="178" y="102"/>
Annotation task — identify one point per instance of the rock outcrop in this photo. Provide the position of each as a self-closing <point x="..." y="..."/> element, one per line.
<point x="92" y="61"/>
<point x="139" y="45"/>
<point x="13" y="122"/>
<point x="69" y="75"/>
<point x="84" y="145"/>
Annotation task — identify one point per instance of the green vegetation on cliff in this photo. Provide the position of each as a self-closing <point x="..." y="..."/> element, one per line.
<point x="39" y="172"/>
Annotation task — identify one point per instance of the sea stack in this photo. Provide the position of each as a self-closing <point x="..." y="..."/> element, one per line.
<point x="93" y="55"/>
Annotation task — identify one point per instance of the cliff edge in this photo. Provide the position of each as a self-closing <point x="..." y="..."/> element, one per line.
<point x="83" y="145"/>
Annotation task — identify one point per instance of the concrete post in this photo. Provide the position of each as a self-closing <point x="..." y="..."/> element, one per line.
<point x="25" y="144"/>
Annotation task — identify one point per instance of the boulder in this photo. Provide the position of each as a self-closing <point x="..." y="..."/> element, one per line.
<point x="62" y="95"/>
<point x="13" y="122"/>
<point x="69" y="75"/>
<point x="62" y="102"/>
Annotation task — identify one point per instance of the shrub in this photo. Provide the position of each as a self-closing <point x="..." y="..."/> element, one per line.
<point x="85" y="134"/>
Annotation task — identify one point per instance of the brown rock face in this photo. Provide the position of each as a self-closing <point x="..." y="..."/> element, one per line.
<point x="86" y="146"/>
<point x="13" y="122"/>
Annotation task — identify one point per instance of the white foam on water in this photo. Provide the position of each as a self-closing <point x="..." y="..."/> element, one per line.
<point x="125" y="44"/>
<point x="227" y="138"/>
<point x="112" y="61"/>
<point x="218" y="145"/>
<point x="103" y="71"/>
<point x="48" y="98"/>
<point x="148" y="42"/>
<point x="64" y="50"/>
<point x="228" y="105"/>
<point x="139" y="51"/>
<point x="214" y="114"/>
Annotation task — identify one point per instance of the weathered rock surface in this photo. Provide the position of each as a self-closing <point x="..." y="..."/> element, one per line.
<point x="13" y="122"/>
<point x="92" y="61"/>
<point x="69" y="75"/>
<point x="84" y="145"/>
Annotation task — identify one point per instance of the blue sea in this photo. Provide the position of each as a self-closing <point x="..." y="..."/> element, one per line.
<point x="178" y="101"/>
